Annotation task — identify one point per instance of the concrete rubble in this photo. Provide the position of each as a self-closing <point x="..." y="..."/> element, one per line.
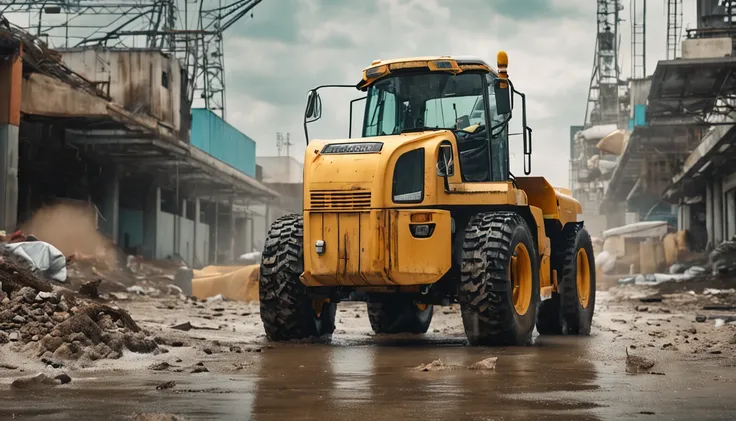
<point x="487" y="364"/>
<point x="61" y="325"/>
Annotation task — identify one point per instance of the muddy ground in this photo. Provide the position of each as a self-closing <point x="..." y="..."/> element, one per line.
<point x="222" y="367"/>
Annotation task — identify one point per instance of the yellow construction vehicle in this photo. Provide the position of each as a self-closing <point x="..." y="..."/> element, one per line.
<point x="423" y="210"/>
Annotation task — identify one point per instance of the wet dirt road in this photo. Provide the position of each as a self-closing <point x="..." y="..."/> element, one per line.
<point x="363" y="377"/>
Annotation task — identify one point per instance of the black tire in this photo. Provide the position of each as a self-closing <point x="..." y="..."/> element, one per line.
<point x="485" y="296"/>
<point x="575" y="319"/>
<point x="287" y="311"/>
<point x="399" y="315"/>
<point x="549" y="321"/>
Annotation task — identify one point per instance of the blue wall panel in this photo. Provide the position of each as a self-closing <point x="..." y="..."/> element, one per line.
<point x="640" y="118"/>
<point x="130" y="223"/>
<point x="213" y="135"/>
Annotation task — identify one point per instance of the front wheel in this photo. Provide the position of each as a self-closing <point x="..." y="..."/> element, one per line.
<point x="499" y="288"/>
<point x="287" y="311"/>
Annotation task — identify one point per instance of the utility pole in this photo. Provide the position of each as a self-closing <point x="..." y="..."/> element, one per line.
<point x="283" y="143"/>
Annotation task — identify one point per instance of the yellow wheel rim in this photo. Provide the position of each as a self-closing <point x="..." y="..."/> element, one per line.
<point x="583" y="277"/>
<point x="421" y="307"/>
<point x="318" y="304"/>
<point x="521" y="279"/>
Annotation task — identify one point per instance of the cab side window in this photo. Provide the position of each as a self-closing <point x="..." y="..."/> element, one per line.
<point x="381" y="114"/>
<point x="499" y="138"/>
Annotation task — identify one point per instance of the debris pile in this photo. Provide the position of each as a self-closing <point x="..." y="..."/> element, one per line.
<point x="137" y="277"/>
<point x="57" y="324"/>
<point x="723" y="258"/>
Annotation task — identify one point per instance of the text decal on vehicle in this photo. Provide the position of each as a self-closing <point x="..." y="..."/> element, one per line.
<point x="348" y="148"/>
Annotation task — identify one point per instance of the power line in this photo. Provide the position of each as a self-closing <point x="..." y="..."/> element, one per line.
<point x="194" y="36"/>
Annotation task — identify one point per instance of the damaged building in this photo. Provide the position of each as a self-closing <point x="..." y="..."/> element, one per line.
<point x="112" y="129"/>
<point x="672" y="163"/>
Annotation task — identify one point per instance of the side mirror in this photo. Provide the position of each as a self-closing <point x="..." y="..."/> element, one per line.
<point x="314" y="106"/>
<point x="503" y="96"/>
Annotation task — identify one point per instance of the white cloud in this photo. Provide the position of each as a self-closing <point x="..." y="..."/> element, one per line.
<point x="291" y="46"/>
<point x="550" y="61"/>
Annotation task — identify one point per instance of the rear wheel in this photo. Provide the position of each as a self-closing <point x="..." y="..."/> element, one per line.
<point x="287" y="311"/>
<point x="549" y="321"/>
<point x="571" y="310"/>
<point x="499" y="288"/>
<point x="400" y="315"/>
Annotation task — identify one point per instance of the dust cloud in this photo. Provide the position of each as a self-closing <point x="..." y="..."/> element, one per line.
<point x="71" y="228"/>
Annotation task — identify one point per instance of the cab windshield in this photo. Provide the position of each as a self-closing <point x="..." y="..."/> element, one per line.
<point x="428" y="101"/>
<point x="439" y="101"/>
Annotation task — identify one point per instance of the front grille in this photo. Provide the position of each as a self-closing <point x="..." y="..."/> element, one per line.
<point x="340" y="200"/>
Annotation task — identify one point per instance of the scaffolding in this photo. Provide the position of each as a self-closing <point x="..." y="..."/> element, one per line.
<point x="638" y="39"/>
<point x="603" y="92"/>
<point x="674" y="28"/>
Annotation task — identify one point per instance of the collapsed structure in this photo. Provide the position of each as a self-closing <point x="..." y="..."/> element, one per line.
<point x="112" y="130"/>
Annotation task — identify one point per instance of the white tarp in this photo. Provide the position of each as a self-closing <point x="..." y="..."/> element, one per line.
<point x="43" y="257"/>
<point x="644" y="229"/>
<point x="660" y="278"/>
<point x="598" y="132"/>
<point x="254" y="257"/>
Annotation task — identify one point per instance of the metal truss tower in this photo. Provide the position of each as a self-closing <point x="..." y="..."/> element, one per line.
<point x="191" y="30"/>
<point x="603" y="93"/>
<point x="638" y="39"/>
<point x="674" y="28"/>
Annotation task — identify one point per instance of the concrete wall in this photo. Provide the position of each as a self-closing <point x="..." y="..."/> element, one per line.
<point x="165" y="234"/>
<point x="203" y="244"/>
<point x="263" y="216"/>
<point x="166" y="238"/>
<point x="595" y="224"/>
<point x="720" y="209"/>
<point x="143" y="81"/>
<point x="729" y="205"/>
<point x="46" y="96"/>
<point x="152" y="207"/>
<point x="281" y="169"/>
<point x="707" y="47"/>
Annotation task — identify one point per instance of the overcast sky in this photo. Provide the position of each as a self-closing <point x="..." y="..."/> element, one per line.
<point x="290" y="46"/>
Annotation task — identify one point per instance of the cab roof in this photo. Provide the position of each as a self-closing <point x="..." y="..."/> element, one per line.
<point x="459" y="59"/>
<point x="454" y="64"/>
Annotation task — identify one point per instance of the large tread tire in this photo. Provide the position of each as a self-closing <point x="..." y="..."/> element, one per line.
<point x="563" y="314"/>
<point x="399" y="315"/>
<point x="287" y="311"/>
<point x="575" y="319"/>
<point x="549" y="321"/>
<point x="485" y="295"/>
